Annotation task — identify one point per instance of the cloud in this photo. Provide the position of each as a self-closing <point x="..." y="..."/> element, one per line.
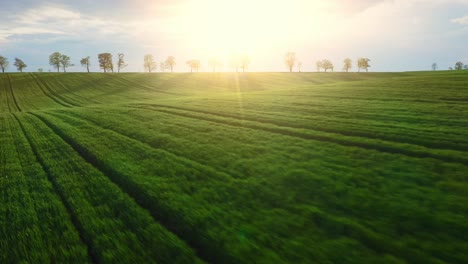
<point x="460" y="20"/>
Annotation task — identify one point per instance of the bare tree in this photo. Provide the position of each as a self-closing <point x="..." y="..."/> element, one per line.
<point x="54" y="60"/>
<point x="65" y="62"/>
<point x="105" y="62"/>
<point x="149" y="63"/>
<point x="434" y="66"/>
<point x="459" y="66"/>
<point x="20" y="65"/>
<point x="170" y="63"/>
<point x="215" y="63"/>
<point x="193" y="64"/>
<point x="363" y="63"/>
<point x="347" y="64"/>
<point x="121" y="62"/>
<point x="290" y="60"/>
<point x="85" y="62"/>
<point x="3" y="63"/>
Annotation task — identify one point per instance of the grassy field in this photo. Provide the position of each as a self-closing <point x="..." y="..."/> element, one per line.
<point x="234" y="168"/>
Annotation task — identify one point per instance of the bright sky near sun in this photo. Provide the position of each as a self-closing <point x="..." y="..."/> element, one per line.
<point x="397" y="35"/>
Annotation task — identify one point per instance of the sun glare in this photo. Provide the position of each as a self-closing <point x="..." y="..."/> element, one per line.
<point x="223" y="28"/>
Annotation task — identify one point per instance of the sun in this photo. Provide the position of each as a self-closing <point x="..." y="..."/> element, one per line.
<point x="222" y="28"/>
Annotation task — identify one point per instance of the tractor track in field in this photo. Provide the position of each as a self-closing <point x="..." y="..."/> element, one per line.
<point x="56" y="188"/>
<point x="132" y="189"/>
<point x="46" y="94"/>
<point x="326" y="130"/>
<point x="281" y="130"/>
<point x="144" y="87"/>
<point x="12" y="93"/>
<point x="51" y="91"/>
<point x="95" y="124"/>
<point x="76" y="95"/>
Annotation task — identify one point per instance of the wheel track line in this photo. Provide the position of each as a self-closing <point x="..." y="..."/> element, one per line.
<point x="138" y="194"/>
<point x="4" y="89"/>
<point x="263" y="121"/>
<point x="142" y="86"/>
<point x="95" y="124"/>
<point x="56" y="188"/>
<point x="68" y="101"/>
<point x="46" y="94"/>
<point x="12" y="93"/>
<point x="77" y="95"/>
<point x="347" y="143"/>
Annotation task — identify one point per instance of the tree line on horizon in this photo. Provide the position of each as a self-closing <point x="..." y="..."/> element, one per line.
<point x="241" y="62"/>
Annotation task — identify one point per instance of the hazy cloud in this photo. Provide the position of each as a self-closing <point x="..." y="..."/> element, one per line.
<point x="460" y="20"/>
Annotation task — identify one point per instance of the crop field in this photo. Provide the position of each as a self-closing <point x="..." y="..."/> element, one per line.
<point x="234" y="168"/>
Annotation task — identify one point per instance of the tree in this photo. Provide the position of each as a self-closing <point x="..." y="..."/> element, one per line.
<point x="105" y="62"/>
<point x="299" y="66"/>
<point x="319" y="65"/>
<point x="170" y="63"/>
<point x="450" y="69"/>
<point x="40" y="70"/>
<point x="348" y="64"/>
<point x="327" y="65"/>
<point x="3" y="63"/>
<point x="162" y="66"/>
<point x="20" y="65"/>
<point x="215" y="63"/>
<point x="65" y="62"/>
<point x="149" y="63"/>
<point x="121" y="62"/>
<point x="290" y="60"/>
<point x="54" y="60"/>
<point x="85" y="62"/>
<point x="434" y="66"/>
<point x="193" y="64"/>
<point x="244" y="62"/>
<point x="363" y="63"/>
<point x="459" y="66"/>
<point x="465" y="67"/>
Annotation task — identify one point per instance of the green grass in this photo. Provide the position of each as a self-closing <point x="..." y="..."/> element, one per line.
<point x="234" y="168"/>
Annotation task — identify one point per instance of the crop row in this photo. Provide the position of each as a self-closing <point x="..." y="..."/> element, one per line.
<point x="113" y="226"/>
<point x="260" y="193"/>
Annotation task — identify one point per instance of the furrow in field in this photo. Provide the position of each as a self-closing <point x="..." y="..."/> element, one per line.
<point x="378" y="145"/>
<point x="152" y="182"/>
<point x="55" y="94"/>
<point x="34" y="223"/>
<point x="12" y="93"/>
<point x="109" y="219"/>
<point x="324" y="126"/>
<point x="83" y="100"/>
<point x="130" y="83"/>
<point x="54" y="183"/>
<point x="131" y="136"/>
<point x="191" y="209"/>
<point x="46" y="93"/>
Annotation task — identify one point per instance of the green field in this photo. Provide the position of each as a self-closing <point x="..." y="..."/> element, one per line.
<point x="234" y="168"/>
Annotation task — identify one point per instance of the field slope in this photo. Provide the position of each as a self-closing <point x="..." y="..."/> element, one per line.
<point x="234" y="168"/>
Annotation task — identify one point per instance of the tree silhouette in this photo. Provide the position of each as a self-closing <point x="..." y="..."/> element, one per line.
<point x="3" y="63"/>
<point x="363" y="63"/>
<point x="149" y="63"/>
<point x="434" y="66"/>
<point x="193" y="64"/>
<point x="85" y="62"/>
<point x="121" y="62"/>
<point x="162" y="66"/>
<point x="299" y="66"/>
<point x="327" y="65"/>
<point x="170" y="63"/>
<point x="215" y="63"/>
<point x="54" y="60"/>
<point x="65" y="62"/>
<point x="459" y="66"/>
<point x="348" y="64"/>
<point x="290" y="60"/>
<point x="105" y="62"/>
<point x="20" y="65"/>
<point x="244" y="62"/>
<point x="319" y="65"/>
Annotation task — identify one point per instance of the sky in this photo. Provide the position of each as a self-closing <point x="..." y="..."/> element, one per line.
<point x="396" y="35"/>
